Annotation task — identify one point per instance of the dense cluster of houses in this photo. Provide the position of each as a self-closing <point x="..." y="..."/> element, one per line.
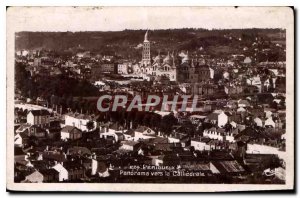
<point x="230" y="141"/>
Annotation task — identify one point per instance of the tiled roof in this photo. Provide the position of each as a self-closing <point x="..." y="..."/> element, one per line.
<point x="18" y="151"/>
<point x="229" y="166"/>
<point x="41" y="112"/>
<point x="70" y="129"/>
<point x="130" y="143"/>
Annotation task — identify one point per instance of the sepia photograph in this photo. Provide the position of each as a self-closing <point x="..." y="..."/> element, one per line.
<point x="150" y="99"/>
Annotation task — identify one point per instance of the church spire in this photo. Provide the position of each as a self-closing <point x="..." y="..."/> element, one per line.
<point x="146" y="37"/>
<point x="146" y="57"/>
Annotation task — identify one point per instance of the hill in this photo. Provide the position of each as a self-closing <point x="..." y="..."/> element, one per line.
<point x="125" y="43"/>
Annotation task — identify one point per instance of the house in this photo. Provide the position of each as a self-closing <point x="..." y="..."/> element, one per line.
<point x="257" y="111"/>
<point x="143" y="132"/>
<point x="233" y="124"/>
<point x="38" y="117"/>
<point x="77" y="150"/>
<point x="206" y="89"/>
<point x="114" y="131"/>
<point x="19" y="154"/>
<point x="268" y="113"/>
<point x="94" y="164"/>
<point x="265" y="98"/>
<point x="201" y="144"/>
<point x="110" y="128"/>
<point x="23" y="128"/>
<point x="213" y="134"/>
<point x="258" y="122"/>
<point x="63" y="174"/>
<point x="129" y="145"/>
<point x="231" y="104"/>
<point x="247" y="61"/>
<point x="80" y="121"/>
<point x="229" y="135"/>
<point x="102" y="170"/>
<point x="243" y="103"/>
<point x="196" y="119"/>
<point x="129" y="135"/>
<point x="53" y="134"/>
<point x="177" y="137"/>
<point x="54" y="156"/>
<point x="234" y="89"/>
<point x="220" y="134"/>
<point x="165" y="147"/>
<point x="255" y="80"/>
<point x="70" y="133"/>
<point x="75" y="169"/>
<point x="21" y="139"/>
<point x="157" y="160"/>
<point x="35" y="177"/>
<point x="269" y="122"/>
<point x="259" y="162"/>
<point x="49" y="175"/>
<point x="280" y="173"/>
<point x="115" y="137"/>
<point x="25" y="164"/>
<point x="218" y="117"/>
<point x="254" y="148"/>
<point x="159" y="144"/>
<point x="37" y="131"/>
<point x="123" y="67"/>
<point x="241" y="110"/>
<point x="226" y="167"/>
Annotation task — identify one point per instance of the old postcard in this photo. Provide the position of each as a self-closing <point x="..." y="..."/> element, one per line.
<point x="150" y="99"/>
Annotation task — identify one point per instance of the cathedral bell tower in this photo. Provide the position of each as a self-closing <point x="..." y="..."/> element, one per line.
<point x="146" y="60"/>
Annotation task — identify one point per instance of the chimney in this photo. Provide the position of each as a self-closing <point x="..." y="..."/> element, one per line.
<point x="26" y="157"/>
<point x="40" y="157"/>
<point x="94" y="156"/>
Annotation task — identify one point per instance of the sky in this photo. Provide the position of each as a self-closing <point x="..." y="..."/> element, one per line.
<point x="120" y="18"/>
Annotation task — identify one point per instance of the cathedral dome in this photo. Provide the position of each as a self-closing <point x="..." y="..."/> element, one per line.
<point x="186" y="58"/>
<point x="168" y="59"/>
<point x="158" y="59"/>
<point x="177" y="59"/>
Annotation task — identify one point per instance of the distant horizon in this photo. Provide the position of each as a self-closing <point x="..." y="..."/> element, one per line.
<point x="215" y="29"/>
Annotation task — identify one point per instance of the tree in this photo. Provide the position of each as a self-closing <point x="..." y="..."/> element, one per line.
<point x="167" y="122"/>
<point x="188" y="128"/>
<point x="155" y="121"/>
<point x="146" y="119"/>
<point x="139" y="116"/>
<point x="69" y="101"/>
<point x="90" y="125"/>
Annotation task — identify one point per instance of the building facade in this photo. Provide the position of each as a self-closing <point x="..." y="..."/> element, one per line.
<point x="38" y="117"/>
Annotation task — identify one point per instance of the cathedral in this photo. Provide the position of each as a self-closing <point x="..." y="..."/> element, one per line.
<point x="176" y="68"/>
<point x="158" y="66"/>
